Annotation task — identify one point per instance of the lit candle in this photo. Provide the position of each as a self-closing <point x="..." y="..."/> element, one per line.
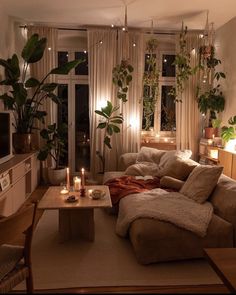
<point x="90" y="192"/>
<point x="82" y="178"/>
<point x="68" y="178"/>
<point x="77" y="183"/>
<point x="64" y="191"/>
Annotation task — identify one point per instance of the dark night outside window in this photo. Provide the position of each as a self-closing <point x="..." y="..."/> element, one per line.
<point x="168" y="69"/>
<point x="167" y="109"/>
<point x="82" y="68"/>
<point x="62" y="57"/>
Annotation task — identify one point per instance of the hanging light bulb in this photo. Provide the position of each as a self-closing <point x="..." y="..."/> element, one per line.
<point x="125" y="27"/>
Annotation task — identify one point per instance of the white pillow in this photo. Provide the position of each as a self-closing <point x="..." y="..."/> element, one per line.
<point x="147" y="154"/>
<point x="201" y="182"/>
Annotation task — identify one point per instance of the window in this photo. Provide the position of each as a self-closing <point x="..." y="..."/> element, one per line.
<point x="74" y="92"/>
<point x="161" y="114"/>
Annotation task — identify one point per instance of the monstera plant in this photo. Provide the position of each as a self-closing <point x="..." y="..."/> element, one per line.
<point x="25" y="95"/>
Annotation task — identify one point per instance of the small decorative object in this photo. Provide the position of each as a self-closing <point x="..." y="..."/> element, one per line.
<point x="68" y="178"/>
<point x="5" y="182"/>
<point x="77" y="183"/>
<point x="64" y="191"/>
<point x="98" y="194"/>
<point x="72" y="199"/>
<point x="90" y="191"/>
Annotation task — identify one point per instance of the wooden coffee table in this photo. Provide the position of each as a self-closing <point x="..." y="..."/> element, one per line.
<point x="75" y="219"/>
<point x="223" y="261"/>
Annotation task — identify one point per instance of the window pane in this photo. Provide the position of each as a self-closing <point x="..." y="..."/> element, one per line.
<point x="63" y="115"/>
<point x="167" y="109"/>
<point x="82" y="68"/>
<point x="62" y="57"/>
<point x="168" y="69"/>
<point x="148" y="108"/>
<point x="82" y="144"/>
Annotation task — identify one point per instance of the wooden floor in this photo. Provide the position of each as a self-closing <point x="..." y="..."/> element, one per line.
<point x="202" y="289"/>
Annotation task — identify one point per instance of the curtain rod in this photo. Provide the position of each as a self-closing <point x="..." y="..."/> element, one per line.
<point x="146" y="31"/>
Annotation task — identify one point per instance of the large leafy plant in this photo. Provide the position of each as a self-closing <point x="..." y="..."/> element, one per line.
<point x="110" y="122"/>
<point x="229" y="132"/>
<point x="25" y="97"/>
<point x="55" y="140"/>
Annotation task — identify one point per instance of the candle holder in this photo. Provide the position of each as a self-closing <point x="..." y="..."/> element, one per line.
<point x="82" y="192"/>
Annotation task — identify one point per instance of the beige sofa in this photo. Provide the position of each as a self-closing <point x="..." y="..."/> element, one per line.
<point x="155" y="241"/>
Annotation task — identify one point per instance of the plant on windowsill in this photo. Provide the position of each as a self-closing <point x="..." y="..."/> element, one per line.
<point x="25" y="97"/>
<point x="110" y="123"/>
<point x="54" y="148"/>
<point x="150" y="84"/>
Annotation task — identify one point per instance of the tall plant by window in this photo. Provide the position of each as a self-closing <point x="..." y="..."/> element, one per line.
<point x="150" y="83"/>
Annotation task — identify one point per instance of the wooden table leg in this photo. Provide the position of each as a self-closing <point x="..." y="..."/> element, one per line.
<point x="76" y="223"/>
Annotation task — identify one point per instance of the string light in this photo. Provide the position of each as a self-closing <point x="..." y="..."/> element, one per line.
<point x="134" y="44"/>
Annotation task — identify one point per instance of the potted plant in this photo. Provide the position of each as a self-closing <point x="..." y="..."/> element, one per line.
<point x="228" y="134"/>
<point x="24" y="96"/>
<point x="109" y="123"/>
<point x="55" y="140"/>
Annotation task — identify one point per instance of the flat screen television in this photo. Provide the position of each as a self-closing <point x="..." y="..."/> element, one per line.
<point x="5" y="137"/>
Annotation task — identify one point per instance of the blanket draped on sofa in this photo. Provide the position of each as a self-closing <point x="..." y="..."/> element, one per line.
<point x="125" y="185"/>
<point x="172" y="207"/>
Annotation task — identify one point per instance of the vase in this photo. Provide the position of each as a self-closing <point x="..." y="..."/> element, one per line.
<point x="210" y="131"/>
<point x="24" y="143"/>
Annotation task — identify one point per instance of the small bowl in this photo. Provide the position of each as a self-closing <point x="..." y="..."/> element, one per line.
<point x="97" y="194"/>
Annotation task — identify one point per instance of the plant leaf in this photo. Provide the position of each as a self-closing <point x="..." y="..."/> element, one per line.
<point x="49" y="87"/>
<point x="31" y="82"/>
<point x="107" y="142"/>
<point x="102" y="125"/>
<point x="34" y="49"/>
<point x="66" y="68"/>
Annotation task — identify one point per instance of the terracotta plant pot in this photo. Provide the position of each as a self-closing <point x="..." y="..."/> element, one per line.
<point x="24" y="143"/>
<point x="210" y="131"/>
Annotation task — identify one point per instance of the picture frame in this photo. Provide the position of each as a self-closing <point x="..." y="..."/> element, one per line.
<point x="5" y="182"/>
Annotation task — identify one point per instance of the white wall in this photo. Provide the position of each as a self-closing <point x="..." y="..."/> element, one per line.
<point x="225" y="42"/>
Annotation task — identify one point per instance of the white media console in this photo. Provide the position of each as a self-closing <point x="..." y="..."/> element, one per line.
<point x="19" y="177"/>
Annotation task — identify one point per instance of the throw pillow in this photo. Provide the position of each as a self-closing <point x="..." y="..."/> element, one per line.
<point x="171" y="182"/>
<point x="185" y="154"/>
<point x="147" y="154"/>
<point x="201" y="182"/>
<point x="177" y="168"/>
<point x="144" y="168"/>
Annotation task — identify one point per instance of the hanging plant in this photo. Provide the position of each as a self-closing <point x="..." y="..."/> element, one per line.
<point x="121" y="78"/>
<point x="150" y="83"/>
<point x="183" y="67"/>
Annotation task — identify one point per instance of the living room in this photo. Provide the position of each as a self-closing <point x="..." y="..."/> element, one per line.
<point x="124" y="94"/>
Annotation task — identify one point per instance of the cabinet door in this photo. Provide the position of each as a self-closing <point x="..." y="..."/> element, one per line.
<point x="18" y="194"/>
<point x="234" y="167"/>
<point x="225" y="160"/>
<point x="6" y="203"/>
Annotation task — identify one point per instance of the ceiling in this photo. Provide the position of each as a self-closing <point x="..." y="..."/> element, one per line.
<point x="166" y="14"/>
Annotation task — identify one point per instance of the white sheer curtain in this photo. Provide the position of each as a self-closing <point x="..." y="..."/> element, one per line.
<point x="40" y="69"/>
<point x="47" y="63"/>
<point x="102" y="47"/>
<point x="188" y="123"/>
<point x="131" y="47"/>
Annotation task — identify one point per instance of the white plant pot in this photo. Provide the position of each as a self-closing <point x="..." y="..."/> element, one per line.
<point x="57" y="176"/>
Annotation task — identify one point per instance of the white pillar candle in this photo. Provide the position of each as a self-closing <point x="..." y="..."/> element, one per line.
<point x="68" y="178"/>
<point x="77" y="183"/>
<point x="82" y="178"/>
<point x="90" y="192"/>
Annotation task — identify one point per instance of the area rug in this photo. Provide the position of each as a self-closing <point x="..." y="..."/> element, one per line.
<point x="108" y="261"/>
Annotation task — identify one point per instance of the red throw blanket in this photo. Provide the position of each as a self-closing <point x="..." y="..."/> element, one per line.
<point x="125" y="185"/>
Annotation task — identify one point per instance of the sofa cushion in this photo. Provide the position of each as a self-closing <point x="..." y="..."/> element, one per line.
<point x="155" y="241"/>
<point x="201" y="182"/>
<point x="170" y="182"/>
<point x="147" y="154"/>
<point x="143" y="168"/>
<point x="177" y="168"/>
